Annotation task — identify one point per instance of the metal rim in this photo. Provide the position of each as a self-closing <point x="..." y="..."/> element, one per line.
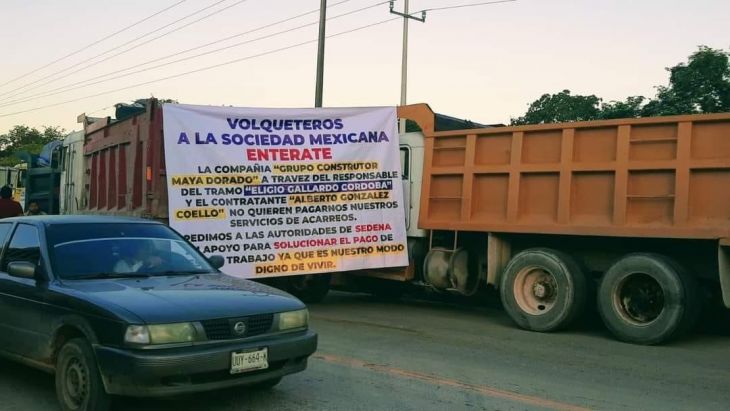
<point x="639" y="299"/>
<point x="76" y="383"/>
<point x="535" y="290"/>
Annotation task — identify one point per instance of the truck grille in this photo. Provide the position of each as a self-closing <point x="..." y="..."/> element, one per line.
<point x="223" y="328"/>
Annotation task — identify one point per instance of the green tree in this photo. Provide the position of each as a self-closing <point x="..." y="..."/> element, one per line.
<point x="622" y="109"/>
<point x="24" y="138"/>
<point x="702" y="85"/>
<point x="560" y="107"/>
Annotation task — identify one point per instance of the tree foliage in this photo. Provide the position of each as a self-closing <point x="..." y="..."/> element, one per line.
<point x="631" y="107"/>
<point x="560" y="107"/>
<point x="24" y="138"/>
<point x="702" y="85"/>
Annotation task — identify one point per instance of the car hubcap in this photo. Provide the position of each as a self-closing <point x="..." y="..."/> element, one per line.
<point x="640" y="299"/>
<point x="76" y="382"/>
<point x="535" y="290"/>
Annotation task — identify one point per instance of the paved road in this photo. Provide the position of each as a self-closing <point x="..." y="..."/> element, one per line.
<point x="418" y="355"/>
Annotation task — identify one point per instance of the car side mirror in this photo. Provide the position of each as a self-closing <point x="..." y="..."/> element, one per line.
<point x="217" y="261"/>
<point x="22" y="269"/>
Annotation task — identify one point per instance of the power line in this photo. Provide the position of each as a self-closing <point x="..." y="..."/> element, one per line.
<point x="71" y="87"/>
<point x="226" y="63"/>
<point x="121" y="45"/>
<point x="117" y="47"/>
<point x="93" y="44"/>
<point x="469" y="5"/>
<point x="190" y="57"/>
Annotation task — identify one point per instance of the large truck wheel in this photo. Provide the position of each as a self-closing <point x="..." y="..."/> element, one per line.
<point x="648" y="299"/>
<point x="309" y="288"/>
<point x="543" y="289"/>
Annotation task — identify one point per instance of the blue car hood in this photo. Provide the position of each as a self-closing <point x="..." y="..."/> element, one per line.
<point x="171" y="299"/>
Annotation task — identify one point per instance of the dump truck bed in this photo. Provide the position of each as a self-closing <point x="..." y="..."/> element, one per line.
<point x="650" y="177"/>
<point x="125" y="166"/>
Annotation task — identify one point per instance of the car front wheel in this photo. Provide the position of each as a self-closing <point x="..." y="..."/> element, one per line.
<point x="78" y="383"/>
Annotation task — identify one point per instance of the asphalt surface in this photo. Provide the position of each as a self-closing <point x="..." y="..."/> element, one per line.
<point x="425" y="355"/>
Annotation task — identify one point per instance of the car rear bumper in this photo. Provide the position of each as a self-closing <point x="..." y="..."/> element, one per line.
<point x="153" y="373"/>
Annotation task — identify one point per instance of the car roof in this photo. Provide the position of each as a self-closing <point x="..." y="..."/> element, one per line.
<point x="77" y="219"/>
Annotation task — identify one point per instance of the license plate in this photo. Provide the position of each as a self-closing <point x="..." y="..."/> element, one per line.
<point x="249" y="361"/>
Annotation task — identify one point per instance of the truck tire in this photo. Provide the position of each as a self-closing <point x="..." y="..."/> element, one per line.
<point x="648" y="299"/>
<point x="309" y="288"/>
<point x="543" y="290"/>
<point x="78" y="382"/>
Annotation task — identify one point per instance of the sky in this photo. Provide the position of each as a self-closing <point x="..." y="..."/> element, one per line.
<point x="485" y="64"/>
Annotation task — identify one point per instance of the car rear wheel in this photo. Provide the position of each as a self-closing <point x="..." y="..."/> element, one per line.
<point x="78" y="382"/>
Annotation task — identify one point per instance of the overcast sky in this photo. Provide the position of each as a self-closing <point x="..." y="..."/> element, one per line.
<point x="482" y="63"/>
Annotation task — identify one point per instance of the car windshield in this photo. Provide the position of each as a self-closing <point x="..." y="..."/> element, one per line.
<point x="82" y="251"/>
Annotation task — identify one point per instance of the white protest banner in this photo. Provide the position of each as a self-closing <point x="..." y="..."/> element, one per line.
<point x="287" y="191"/>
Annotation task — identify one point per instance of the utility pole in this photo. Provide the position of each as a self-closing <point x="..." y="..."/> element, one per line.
<point x="404" y="65"/>
<point x="404" y="62"/>
<point x="320" y="54"/>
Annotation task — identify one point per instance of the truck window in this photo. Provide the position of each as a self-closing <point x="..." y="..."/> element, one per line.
<point x="405" y="164"/>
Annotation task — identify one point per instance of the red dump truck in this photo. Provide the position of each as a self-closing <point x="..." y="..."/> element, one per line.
<point x="632" y="215"/>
